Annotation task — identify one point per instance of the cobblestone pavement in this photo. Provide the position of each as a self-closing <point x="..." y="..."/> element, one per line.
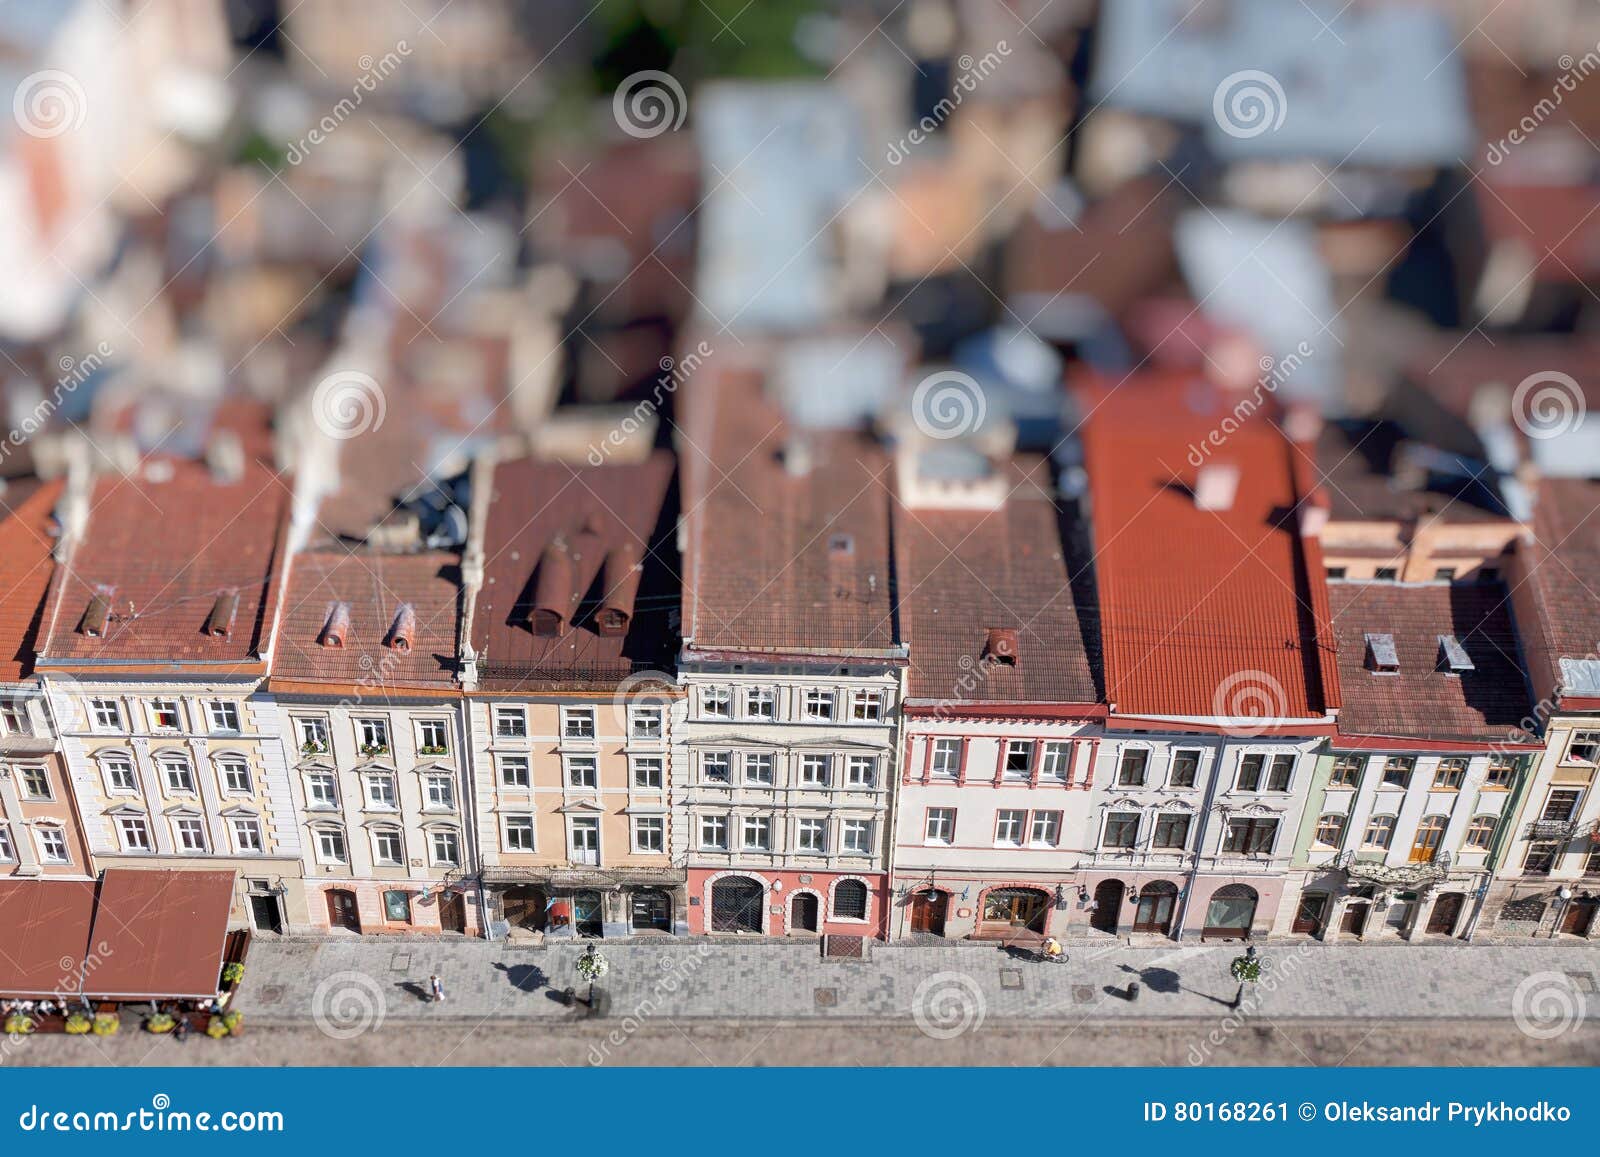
<point x="348" y="983"/>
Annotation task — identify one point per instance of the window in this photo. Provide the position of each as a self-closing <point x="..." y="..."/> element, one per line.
<point x="441" y="792"/>
<point x="433" y="737"/>
<point x="1250" y="772"/>
<point x="649" y="834"/>
<point x="35" y="783"/>
<point x="758" y="833"/>
<point x="1019" y="759"/>
<point x="1055" y="761"/>
<point x="1562" y="805"/>
<point x="519" y="833"/>
<point x="446" y="847"/>
<point x="52" y="846"/>
<point x="510" y="723"/>
<point x="645" y="723"/>
<point x="514" y="771"/>
<point x="1591" y="863"/>
<point x="374" y="735"/>
<point x="176" y="771"/>
<point x="1185" y="768"/>
<point x="164" y="716"/>
<point x="1346" y="770"/>
<point x="1480" y="833"/>
<point x="1330" y="830"/>
<point x="381" y="793"/>
<point x="1046" y="829"/>
<point x="7" y="852"/>
<point x="1386" y="574"/>
<point x="856" y="837"/>
<point x="246" y="834"/>
<point x="1336" y="572"/>
<point x="714" y="833"/>
<point x="1280" y="773"/>
<point x="866" y="706"/>
<point x="105" y="714"/>
<point x="583" y="771"/>
<point x="1502" y="770"/>
<point x="135" y="832"/>
<point x="714" y="766"/>
<point x="1397" y="770"/>
<point x="1584" y="748"/>
<point x="815" y="770"/>
<point x="941" y="828"/>
<point x="813" y="835"/>
<point x="850" y="900"/>
<point x="945" y="761"/>
<point x="321" y="790"/>
<point x="1121" y="830"/>
<point x="1379" y="833"/>
<point x="313" y="736"/>
<point x="577" y="723"/>
<point x="224" y="715"/>
<point x="397" y="906"/>
<point x="1130" y="773"/>
<point x="861" y="771"/>
<point x="119" y="773"/>
<point x="758" y="767"/>
<point x="648" y="771"/>
<point x="14" y="718"/>
<point x="760" y="703"/>
<point x="717" y="702"/>
<point x="1008" y="826"/>
<point x="235" y="775"/>
<point x="1541" y="857"/>
<point x="1450" y="774"/>
<point x="1444" y="573"/>
<point x="1172" y="831"/>
<point x="819" y="705"/>
<point x="388" y="848"/>
<point x="1251" y="837"/>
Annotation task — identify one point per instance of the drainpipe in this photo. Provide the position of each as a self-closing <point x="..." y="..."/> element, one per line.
<point x="1200" y="841"/>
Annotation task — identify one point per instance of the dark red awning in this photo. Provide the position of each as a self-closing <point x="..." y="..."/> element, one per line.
<point x="44" y="932"/>
<point x="158" y="935"/>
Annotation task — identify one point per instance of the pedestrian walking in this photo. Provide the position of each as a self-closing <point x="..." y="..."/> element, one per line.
<point x="180" y="1032"/>
<point x="437" y="987"/>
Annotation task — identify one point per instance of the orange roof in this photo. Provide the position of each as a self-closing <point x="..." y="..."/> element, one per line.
<point x="27" y="515"/>
<point x="1203" y="612"/>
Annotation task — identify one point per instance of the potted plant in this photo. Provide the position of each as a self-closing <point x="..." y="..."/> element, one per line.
<point x="159" y="1022"/>
<point x="592" y="966"/>
<point x="106" y="1023"/>
<point x="374" y="749"/>
<point x="312" y="747"/>
<point x="19" y="1024"/>
<point x="232" y="1021"/>
<point x="433" y="749"/>
<point x="1246" y="969"/>
<point x="216" y="1030"/>
<point x="78" y="1024"/>
<point x="232" y="973"/>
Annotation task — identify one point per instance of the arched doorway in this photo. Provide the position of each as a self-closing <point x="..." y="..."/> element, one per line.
<point x="650" y="911"/>
<point x="803" y="912"/>
<point x="524" y="907"/>
<point x="1107" y="906"/>
<point x="1156" y="905"/>
<point x="928" y="911"/>
<point x="342" y="910"/>
<point x="1446" y="911"/>
<point x="1017" y="908"/>
<point x="736" y="905"/>
<point x="1231" y="912"/>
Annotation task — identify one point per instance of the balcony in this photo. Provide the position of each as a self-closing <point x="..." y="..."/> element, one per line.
<point x="1552" y="829"/>
<point x="1378" y="872"/>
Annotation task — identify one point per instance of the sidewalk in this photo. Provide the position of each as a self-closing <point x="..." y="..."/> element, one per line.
<point x="344" y="982"/>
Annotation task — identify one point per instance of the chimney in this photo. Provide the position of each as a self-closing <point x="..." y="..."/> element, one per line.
<point x="335" y="630"/>
<point x="225" y="457"/>
<point x="620" y="576"/>
<point x="220" y="621"/>
<point x="1000" y="646"/>
<point x="552" y="594"/>
<point x="797" y="456"/>
<point x="1215" y="486"/>
<point x="404" y="629"/>
<point x="96" y="614"/>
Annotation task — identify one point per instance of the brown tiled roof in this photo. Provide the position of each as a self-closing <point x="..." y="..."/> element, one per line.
<point x="373" y="587"/>
<point x="1485" y="704"/>
<point x="780" y="560"/>
<point x="168" y="547"/>
<point x="551" y="529"/>
<point x="963" y="574"/>
<point x="27" y="520"/>
<point x="1564" y="573"/>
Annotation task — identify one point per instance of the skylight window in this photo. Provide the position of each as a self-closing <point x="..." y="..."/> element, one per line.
<point x="1453" y="656"/>
<point x="1381" y="655"/>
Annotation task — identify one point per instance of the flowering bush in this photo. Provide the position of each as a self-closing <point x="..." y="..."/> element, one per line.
<point x="1246" y="968"/>
<point x="106" y="1024"/>
<point x="159" y="1022"/>
<point x="232" y="973"/>
<point x="19" y="1024"/>
<point x="216" y="1030"/>
<point x="78" y="1024"/>
<point x="592" y="966"/>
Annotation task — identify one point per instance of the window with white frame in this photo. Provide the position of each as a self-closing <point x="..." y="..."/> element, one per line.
<point x="235" y="774"/>
<point x="649" y="771"/>
<point x="510" y="723"/>
<point x="105" y="714"/>
<point x="1480" y="833"/>
<point x="176" y="772"/>
<point x="1379" y="833"/>
<point x="446" y="847"/>
<point x="224" y="715"/>
<point x="1185" y="767"/>
<point x="760" y="703"/>
<point x="1584" y="748"/>
<point x="944" y="760"/>
<point x="815" y="770"/>
<point x="322" y="790"/>
<point x="514" y="771"/>
<point x="1502" y="770"/>
<point x="52" y="845"/>
<point x="313" y="734"/>
<point x="441" y="791"/>
<point x="819" y="704"/>
<point x="759" y="767"/>
<point x="1055" y="761"/>
<point x="1397" y="770"/>
<point x="1171" y="832"/>
<point x="583" y="771"/>
<point x="190" y="832"/>
<point x="1450" y="774"/>
<point x="381" y="792"/>
<point x="164" y="715"/>
<point x="519" y="833"/>
<point x="577" y="723"/>
<point x="715" y="766"/>
<point x="866" y="706"/>
<point x="646" y="723"/>
<point x="1330" y="830"/>
<point x="850" y="900"/>
<point x="1018" y="764"/>
<point x="716" y="702"/>
<point x="1280" y="773"/>
<point x="941" y="826"/>
<point x="714" y="833"/>
<point x="649" y="834"/>
<point x="35" y="783"/>
<point x="1046" y="831"/>
<point x="246" y="834"/>
<point x="1250" y="768"/>
<point x="811" y="835"/>
<point x="14" y="717"/>
<point x="855" y="837"/>
<point x="1131" y="770"/>
<point x="373" y="736"/>
<point x="1346" y="770"/>
<point x="135" y="833"/>
<point x="433" y="737"/>
<point x="861" y="771"/>
<point x="757" y="833"/>
<point x="1008" y="826"/>
<point x="1121" y="831"/>
<point x="388" y="847"/>
<point x="7" y="852"/>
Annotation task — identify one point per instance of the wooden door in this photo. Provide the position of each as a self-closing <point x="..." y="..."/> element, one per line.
<point x="1578" y="916"/>
<point x="1154" y="910"/>
<point x="342" y="910"/>
<point x="1354" y="922"/>
<point x="1107" y="906"/>
<point x="266" y="913"/>
<point x="803" y="912"/>
<point x="1308" y="917"/>
<point x="524" y="907"/>
<point x="927" y="912"/>
<point x="1446" y="911"/>
<point x="452" y="912"/>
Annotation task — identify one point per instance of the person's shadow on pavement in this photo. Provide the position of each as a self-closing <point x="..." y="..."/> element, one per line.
<point x="416" y="990"/>
<point x="524" y="977"/>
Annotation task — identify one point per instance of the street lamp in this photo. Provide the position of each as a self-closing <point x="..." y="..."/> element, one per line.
<point x="592" y="966"/>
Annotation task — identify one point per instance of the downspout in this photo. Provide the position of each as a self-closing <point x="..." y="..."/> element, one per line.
<point x="1502" y="841"/>
<point x="1200" y="842"/>
<point x="467" y="663"/>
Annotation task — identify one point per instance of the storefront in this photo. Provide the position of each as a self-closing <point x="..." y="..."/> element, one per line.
<point x="536" y="904"/>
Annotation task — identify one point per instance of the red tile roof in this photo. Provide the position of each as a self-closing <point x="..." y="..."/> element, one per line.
<point x="1202" y="609"/>
<point x="373" y="587"/>
<point x="963" y="574"/>
<point x="162" y="545"/>
<point x="1485" y="704"/>
<point x="1564" y="574"/>
<point x="27" y="523"/>
<point x="780" y="560"/>
<point x="574" y="540"/>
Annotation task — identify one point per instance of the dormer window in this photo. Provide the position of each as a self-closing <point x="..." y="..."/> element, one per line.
<point x="1453" y="657"/>
<point x="1382" y="658"/>
<point x="337" y="627"/>
<point x="404" y="629"/>
<point x="220" y="621"/>
<point x="96" y="615"/>
<point x="1001" y="646"/>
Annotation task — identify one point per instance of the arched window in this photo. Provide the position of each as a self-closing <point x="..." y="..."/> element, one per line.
<point x="850" y="900"/>
<point x="1480" y="832"/>
<point x="1330" y="830"/>
<point x="176" y="773"/>
<point x="1426" y="846"/>
<point x="118" y="771"/>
